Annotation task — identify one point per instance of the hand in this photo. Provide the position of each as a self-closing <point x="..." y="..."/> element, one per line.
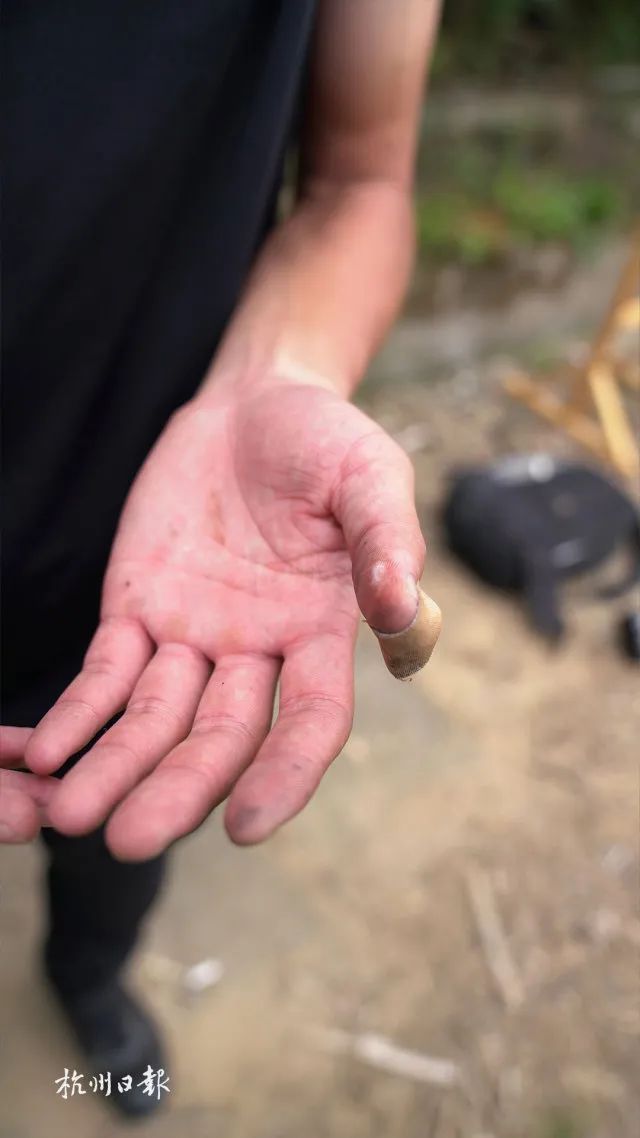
<point x="23" y="797"/>
<point x="240" y="544"/>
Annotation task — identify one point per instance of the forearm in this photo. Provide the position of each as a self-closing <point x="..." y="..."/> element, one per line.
<point x="324" y="290"/>
<point x="330" y="279"/>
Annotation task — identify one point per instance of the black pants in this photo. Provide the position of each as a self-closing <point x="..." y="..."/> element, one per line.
<point x="95" y="904"/>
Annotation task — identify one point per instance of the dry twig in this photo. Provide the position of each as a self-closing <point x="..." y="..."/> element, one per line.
<point x="500" y="962"/>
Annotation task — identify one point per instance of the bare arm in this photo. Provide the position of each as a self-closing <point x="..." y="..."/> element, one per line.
<point x="331" y="278"/>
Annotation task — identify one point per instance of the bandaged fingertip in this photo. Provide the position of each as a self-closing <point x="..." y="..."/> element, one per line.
<point x="406" y="652"/>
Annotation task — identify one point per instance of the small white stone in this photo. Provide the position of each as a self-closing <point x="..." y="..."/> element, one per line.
<point x="202" y="975"/>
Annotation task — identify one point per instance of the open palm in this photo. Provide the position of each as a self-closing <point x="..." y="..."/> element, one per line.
<point x="234" y="565"/>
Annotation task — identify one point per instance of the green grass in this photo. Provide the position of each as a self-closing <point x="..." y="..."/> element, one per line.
<point x="562" y="1124"/>
<point x="491" y="213"/>
<point x="450" y="225"/>
<point x="517" y="35"/>
<point x="549" y="207"/>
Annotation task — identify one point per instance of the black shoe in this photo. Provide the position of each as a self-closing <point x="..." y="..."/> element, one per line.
<point x="118" y="1037"/>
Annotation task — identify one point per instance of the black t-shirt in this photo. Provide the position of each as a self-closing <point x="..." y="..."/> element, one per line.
<point x="143" y="148"/>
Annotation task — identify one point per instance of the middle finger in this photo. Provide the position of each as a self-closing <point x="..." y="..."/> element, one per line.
<point x="231" y="723"/>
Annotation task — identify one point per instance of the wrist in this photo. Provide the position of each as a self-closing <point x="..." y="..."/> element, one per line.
<point x="252" y="372"/>
<point x="290" y="369"/>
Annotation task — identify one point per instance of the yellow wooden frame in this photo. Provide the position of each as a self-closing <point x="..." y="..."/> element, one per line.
<point x="592" y="408"/>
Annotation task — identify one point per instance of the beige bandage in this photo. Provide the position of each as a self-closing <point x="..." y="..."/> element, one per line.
<point x="406" y="652"/>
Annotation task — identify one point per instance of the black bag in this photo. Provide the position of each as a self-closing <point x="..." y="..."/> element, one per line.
<point x="529" y="520"/>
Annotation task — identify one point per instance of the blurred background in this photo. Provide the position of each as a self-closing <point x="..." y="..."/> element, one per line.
<point x="445" y="944"/>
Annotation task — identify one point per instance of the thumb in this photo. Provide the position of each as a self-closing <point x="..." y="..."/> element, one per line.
<point x="374" y="504"/>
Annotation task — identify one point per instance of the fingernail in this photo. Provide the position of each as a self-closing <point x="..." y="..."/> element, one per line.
<point x="7" y="833"/>
<point x="243" y="823"/>
<point x="392" y="604"/>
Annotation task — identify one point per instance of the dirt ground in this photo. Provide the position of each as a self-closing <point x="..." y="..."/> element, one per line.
<point x="464" y="883"/>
